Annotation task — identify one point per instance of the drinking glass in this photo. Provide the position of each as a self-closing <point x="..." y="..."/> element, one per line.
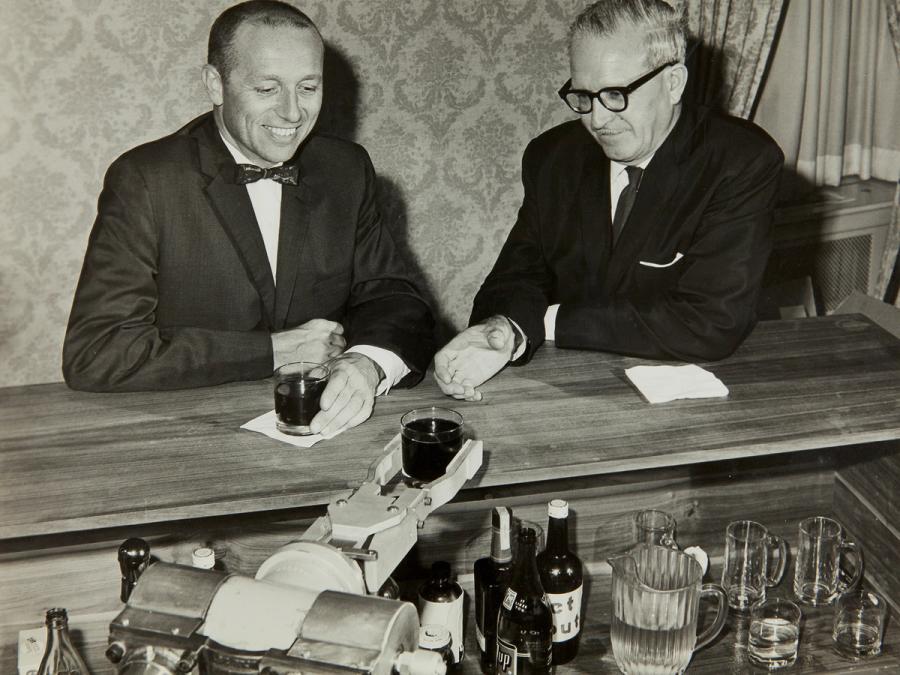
<point x="859" y="618"/>
<point x="654" y="527"/>
<point x="822" y="547"/>
<point x="430" y="439"/>
<point x="745" y="576"/>
<point x="298" y="387"/>
<point x="774" y="633"/>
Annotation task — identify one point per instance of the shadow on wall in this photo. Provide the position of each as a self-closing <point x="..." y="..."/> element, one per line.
<point x="798" y="267"/>
<point x="340" y="116"/>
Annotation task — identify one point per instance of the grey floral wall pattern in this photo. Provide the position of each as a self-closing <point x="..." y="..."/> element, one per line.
<point x="444" y="94"/>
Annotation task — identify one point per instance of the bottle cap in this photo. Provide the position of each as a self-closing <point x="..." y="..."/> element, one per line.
<point x="440" y="570"/>
<point x="204" y="558"/>
<point x="421" y="661"/>
<point x="501" y="524"/>
<point x="433" y="636"/>
<point x="558" y="508"/>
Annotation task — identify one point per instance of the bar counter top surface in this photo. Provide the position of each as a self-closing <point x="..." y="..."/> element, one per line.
<point x="74" y="461"/>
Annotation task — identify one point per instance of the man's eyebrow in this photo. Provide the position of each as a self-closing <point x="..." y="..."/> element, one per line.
<point x="277" y="78"/>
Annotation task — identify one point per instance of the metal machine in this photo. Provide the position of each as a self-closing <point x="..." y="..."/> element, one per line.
<point x="310" y="608"/>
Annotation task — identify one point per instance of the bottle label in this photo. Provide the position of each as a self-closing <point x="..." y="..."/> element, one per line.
<point x="507" y="657"/>
<point x="566" y="614"/>
<point x="509" y="599"/>
<point x="449" y="615"/>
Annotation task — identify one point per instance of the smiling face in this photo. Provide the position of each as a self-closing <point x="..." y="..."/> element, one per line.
<point x="270" y="100"/>
<point x="616" y="60"/>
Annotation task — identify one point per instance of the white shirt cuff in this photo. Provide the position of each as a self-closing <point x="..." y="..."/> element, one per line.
<point x="392" y="365"/>
<point x="550" y="322"/>
<point x="522" y="347"/>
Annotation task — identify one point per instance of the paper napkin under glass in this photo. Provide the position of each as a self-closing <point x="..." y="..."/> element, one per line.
<point x="265" y="424"/>
<point x="659" y="384"/>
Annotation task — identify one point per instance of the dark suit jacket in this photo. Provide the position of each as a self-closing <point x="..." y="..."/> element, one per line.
<point x="708" y="194"/>
<point x="176" y="289"/>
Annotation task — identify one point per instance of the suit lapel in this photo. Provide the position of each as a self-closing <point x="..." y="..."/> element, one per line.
<point x="658" y="185"/>
<point x="296" y="202"/>
<point x="235" y="212"/>
<point x="592" y="213"/>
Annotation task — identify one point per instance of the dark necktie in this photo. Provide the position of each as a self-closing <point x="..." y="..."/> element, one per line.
<point x="626" y="200"/>
<point x="250" y="173"/>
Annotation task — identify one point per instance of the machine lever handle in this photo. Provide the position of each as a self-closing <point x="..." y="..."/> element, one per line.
<point x="134" y="556"/>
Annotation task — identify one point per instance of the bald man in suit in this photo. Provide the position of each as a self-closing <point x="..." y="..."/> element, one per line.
<point x="247" y="240"/>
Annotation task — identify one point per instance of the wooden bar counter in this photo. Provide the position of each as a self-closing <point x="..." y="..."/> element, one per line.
<point x="810" y="427"/>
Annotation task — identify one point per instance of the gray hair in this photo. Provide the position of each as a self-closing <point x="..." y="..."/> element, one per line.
<point x="663" y="26"/>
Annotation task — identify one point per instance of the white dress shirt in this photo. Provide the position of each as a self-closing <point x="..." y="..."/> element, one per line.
<point x="618" y="181"/>
<point x="265" y="197"/>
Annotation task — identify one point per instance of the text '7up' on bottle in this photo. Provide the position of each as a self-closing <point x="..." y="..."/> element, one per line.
<point x="525" y="623"/>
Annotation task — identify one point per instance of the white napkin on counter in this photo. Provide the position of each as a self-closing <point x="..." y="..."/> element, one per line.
<point x="660" y="384"/>
<point x="265" y="424"/>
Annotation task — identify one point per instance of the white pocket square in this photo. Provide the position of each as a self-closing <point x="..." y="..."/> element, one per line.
<point x="678" y="256"/>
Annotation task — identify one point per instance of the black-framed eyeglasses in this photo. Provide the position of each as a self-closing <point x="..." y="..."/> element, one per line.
<point x="614" y="99"/>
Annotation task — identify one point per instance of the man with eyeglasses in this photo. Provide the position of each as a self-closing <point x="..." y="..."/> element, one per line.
<point x="645" y="225"/>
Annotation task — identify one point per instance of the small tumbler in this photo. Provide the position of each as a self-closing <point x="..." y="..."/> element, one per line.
<point x="430" y="439"/>
<point x="859" y="618"/>
<point x="774" y="633"/>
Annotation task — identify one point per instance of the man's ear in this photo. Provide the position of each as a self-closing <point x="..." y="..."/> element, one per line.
<point x="213" y="83"/>
<point x="676" y="81"/>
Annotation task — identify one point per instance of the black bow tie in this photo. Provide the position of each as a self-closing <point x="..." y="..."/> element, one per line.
<point x="250" y="173"/>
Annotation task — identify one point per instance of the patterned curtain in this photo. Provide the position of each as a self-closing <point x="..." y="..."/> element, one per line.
<point x="731" y="42"/>
<point x="893" y="15"/>
<point x="889" y="276"/>
<point x="887" y="287"/>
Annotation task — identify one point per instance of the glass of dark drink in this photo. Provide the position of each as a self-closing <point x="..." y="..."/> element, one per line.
<point x="298" y="387"/>
<point x="430" y="437"/>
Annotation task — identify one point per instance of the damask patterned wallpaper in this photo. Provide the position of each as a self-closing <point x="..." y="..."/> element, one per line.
<point x="443" y="93"/>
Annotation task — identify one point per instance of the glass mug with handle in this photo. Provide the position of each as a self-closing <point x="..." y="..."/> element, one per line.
<point x="818" y="572"/>
<point x="747" y="573"/>
<point x="654" y="527"/>
<point x="656" y="594"/>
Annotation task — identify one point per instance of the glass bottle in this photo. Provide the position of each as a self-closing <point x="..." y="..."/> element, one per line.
<point x="60" y="655"/>
<point x="491" y="579"/>
<point x="525" y="621"/>
<point x="562" y="578"/>
<point x="441" y="603"/>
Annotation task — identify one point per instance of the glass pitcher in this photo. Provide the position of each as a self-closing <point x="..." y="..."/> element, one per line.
<point x="656" y="595"/>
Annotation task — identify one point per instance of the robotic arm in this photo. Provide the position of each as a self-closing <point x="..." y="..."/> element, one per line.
<point x="309" y="608"/>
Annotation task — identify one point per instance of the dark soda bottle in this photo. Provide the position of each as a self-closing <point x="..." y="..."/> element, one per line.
<point x="491" y="579"/>
<point x="525" y="621"/>
<point x="441" y="603"/>
<point x="561" y="576"/>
